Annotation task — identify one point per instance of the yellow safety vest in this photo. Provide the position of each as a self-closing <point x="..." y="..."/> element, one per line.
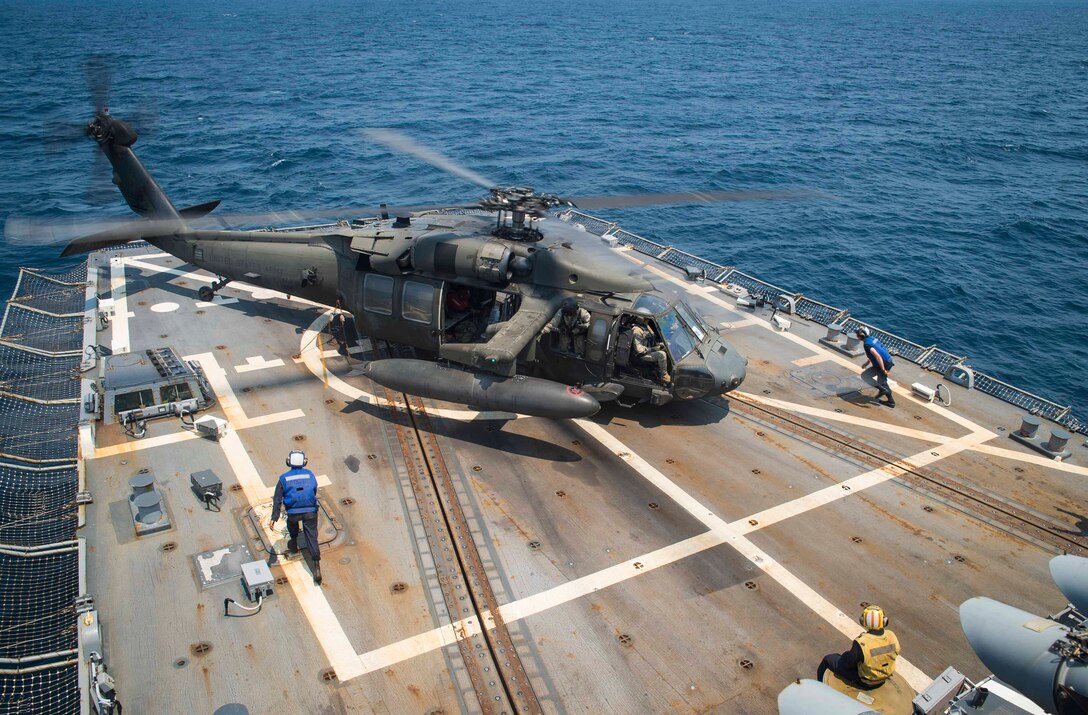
<point x="878" y="653"/>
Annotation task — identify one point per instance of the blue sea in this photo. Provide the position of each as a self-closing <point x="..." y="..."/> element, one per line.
<point x="951" y="137"/>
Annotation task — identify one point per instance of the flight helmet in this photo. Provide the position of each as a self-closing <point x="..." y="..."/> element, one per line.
<point x="297" y="459"/>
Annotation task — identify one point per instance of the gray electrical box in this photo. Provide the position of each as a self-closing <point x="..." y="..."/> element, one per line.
<point x="206" y="485"/>
<point x="256" y="580"/>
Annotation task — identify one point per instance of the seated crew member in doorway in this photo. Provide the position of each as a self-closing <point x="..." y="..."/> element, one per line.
<point x="871" y="658"/>
<point x="296" y="492"/>
<point x="648" y="351"/>
<point x="572" y="323"/>
<point x="880" y="363"/>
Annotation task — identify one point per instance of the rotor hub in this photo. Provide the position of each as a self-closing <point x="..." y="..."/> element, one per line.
<point x="519" y="200"/>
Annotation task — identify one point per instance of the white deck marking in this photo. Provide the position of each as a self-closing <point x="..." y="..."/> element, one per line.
<point x="165" y="307"/>
<point x="853" y="485"/>
<point x="232" y="409"/>
<point x="257" y="362"/>
<point x="119" y="302"/>
<point x="327" y="629"/>
<point x="849" y="419"/>
<point x="811" y="360"/>
<point x="146" y="443"/>
<point x="1037" y="459"/>
<point x="381" y="658"/>
<point x="217" y="300"/>
<point x="742" y="323"/>
<point x="579" y="587"/>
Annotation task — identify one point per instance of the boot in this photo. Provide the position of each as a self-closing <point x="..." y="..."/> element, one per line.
<point x="317" y="573"/>
<point x="292" y="546"/>
<point x="666" y="379"/>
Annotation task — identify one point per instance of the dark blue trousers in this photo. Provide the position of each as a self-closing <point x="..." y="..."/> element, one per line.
<point x="308" y="522"/>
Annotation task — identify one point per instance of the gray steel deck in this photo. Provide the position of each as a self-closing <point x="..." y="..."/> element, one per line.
<point x="691" y="558"/>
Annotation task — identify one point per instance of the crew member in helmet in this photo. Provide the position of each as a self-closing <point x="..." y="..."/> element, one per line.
<point x="647" y="350"/>
<point x="880" y="361"/>
<point x="871" y="658"/>
<point x="572" y="323"/>
<point x="296" y="493"/>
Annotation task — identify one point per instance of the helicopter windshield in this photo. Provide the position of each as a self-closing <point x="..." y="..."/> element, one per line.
<point x="677" y="334"/>
<point x="691" y="321"/>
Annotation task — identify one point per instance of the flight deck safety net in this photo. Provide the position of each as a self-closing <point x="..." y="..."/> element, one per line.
<point x="41" y="348"/>
<point x="929" y="357"/>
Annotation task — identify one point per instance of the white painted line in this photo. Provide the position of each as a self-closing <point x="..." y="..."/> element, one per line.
<point x="579" y="587"/>
<point x="257" y="362"/>
<point x="232" y="410"/>
<point x="217" y="300"/>
<point x="119" y="321"/>
<point x="845" y="624"/>
<point x="386" y="656"/>
<point x="1036" y="459"/>
<point x="811" y="360"/>
<point x="146" y="443"/>
<point x="742" y="323"/>
<point x="804" y="593"/>
<point x="263" y="420"/>
<point x="848" y="419"/>
<point x="327" y="629"/>
<point x="854" y="485"/>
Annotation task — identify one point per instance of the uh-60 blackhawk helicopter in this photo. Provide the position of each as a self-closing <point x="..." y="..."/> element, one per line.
<point x="473" y="285"/>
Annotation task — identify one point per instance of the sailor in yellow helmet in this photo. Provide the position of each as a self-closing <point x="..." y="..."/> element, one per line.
<point x="871" y="658"/>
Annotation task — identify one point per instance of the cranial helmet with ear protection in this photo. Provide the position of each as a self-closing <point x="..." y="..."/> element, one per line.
<point x="873" y="618"/>
<point x="297" y="459"/>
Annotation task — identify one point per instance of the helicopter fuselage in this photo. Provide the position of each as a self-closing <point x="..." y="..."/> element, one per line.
<point x="444" y="285"/>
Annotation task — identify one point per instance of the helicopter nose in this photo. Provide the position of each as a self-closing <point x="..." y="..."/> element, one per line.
<point x="731" y="374"/>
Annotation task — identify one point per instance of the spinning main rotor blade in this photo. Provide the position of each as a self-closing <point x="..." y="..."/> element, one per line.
<point x="393" y="139"/>
<point x="28" y="230"/>
<point x="685" y="197"/>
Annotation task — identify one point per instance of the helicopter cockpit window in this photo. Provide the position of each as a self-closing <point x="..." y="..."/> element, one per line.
<point x="378" y="294"/>
<point x="676" y="335"/>
<point x="417" y="301"/>
<point x="647" y="302"/>
<point x="691" y="321"/>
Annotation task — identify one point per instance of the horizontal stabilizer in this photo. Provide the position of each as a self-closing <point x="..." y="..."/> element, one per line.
<point x="199" y="210"/>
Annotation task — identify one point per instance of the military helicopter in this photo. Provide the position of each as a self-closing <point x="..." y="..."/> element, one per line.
<point x="474" y="285"/>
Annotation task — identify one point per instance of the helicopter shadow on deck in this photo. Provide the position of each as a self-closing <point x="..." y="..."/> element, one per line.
<point x="477" y="432"/>
<point x="693" y="413"/>
<point x="1080" y="525"/>
<point x="247" y="306"/>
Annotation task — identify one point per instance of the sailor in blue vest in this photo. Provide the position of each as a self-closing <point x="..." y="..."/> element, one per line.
<point x="880" y="361"/>
<point x="296" y="493"/>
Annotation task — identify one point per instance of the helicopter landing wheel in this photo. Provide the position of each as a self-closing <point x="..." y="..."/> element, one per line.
<point x="206" y="294"/>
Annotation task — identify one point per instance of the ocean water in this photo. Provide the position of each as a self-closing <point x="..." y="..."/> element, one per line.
<point x="951" y="137"/>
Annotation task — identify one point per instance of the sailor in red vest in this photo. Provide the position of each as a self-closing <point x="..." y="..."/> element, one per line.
<point x="296" y="493"/>
<point x="871" y="658"/>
